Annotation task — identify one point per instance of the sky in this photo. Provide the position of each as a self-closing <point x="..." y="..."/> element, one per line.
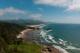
<point x="57" y="11"/>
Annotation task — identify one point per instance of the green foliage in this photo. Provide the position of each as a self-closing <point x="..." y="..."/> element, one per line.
<point x="8" y="31"/>
<point x="24" y="48"/>
<point x="8" y="40"/>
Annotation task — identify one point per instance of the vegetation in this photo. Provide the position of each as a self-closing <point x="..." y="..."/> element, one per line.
<point x="8" y="40"/>
<point x="28" y="47"/>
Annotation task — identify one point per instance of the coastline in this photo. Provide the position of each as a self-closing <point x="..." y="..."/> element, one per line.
<point x="32" y="35"/>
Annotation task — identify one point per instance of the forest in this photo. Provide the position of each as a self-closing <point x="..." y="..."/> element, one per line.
<point x="10" y="44"/>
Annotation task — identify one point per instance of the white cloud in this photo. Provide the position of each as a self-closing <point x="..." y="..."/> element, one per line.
<point x="35" y="16"/>
<point x="11" y="10"/>
<point x="52" y="2"/>
<point x="72" y="20"/>
<point x="14" y="13"/>
<point x="1" y="13"/>
<point x="74" y="6"/>
<point x="18" y="14"/>
<point x="70" y="5"/>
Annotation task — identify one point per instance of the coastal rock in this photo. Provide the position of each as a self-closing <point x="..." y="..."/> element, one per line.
<point x="49" y="49"/>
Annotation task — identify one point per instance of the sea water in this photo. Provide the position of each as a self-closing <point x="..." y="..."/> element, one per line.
<point x="65" y="36"/>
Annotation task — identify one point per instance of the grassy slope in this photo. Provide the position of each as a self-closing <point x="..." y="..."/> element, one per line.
<point x="8" y="44"/>
<point x="25" y="48"/>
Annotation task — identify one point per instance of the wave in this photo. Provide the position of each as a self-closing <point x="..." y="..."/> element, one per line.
<point x="60" y="44"/>
<point x="60" y="49"/>
<point x="46" y="37"/>
<point x="72" y="48"/>
<point x="50" y="39"/>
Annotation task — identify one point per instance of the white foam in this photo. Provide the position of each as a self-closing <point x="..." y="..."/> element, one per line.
<point x="61" y="39"/>
<point x="52" y="39"/>
<point x="60" y="49"/>
<point x="43" y="33"/>
<point x="49" y="39"/>
<point x="42" y="25"/>
<point x="62" y="42"/>
<point x="72" y="48"/>
<point x="49" y="31"/>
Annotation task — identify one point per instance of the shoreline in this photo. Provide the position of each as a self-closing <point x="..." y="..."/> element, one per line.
<point x="32" y="34"/>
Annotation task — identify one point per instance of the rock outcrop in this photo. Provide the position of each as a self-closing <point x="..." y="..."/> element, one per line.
<point x="49" y="49"/>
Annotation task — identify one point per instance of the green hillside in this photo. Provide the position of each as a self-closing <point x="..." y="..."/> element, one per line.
<point x="8" y="40"/>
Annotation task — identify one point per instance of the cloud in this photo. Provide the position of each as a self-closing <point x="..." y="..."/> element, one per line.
<point x="11" y="10"/>
<point x="70" y="5"/>
<point x="35" y="16"/>
<point x="14" y="13"/>
<point x="74" y="6"/>
<point x="52" y="2"/>
<point x="72" y="20"/>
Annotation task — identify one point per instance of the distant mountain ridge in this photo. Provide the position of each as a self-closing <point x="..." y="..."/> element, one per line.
<point x="24" y="21"/>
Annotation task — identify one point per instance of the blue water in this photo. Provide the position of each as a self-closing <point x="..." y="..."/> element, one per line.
<point x="68" y="32"/>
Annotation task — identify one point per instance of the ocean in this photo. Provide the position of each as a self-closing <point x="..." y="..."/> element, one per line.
<point x="65" y="36"/>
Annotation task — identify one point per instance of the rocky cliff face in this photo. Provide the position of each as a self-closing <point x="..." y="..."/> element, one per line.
<point x="49" y="49"/>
